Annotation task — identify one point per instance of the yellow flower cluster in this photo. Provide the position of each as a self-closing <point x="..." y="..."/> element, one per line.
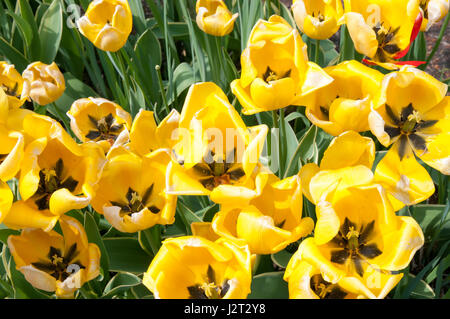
<point x="131" y="171"/>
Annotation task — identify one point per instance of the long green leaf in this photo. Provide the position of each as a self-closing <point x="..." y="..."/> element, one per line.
<point x="50" y="32"/>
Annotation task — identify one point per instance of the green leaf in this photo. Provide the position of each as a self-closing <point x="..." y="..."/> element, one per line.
<point x="147" y="54"/>
<point x="305" y="151"/>
<point x="183" y="78"/>
<point x="50" y="32"/>
<point x="269" y="286"/>
<point x="120" y="283"/>
<point x="13" y="55"/>
<point x="5" y="233"/>
<point x="24" y="28"/>
<point x="210" y="212"/>
<point x="125" y="254"/>
<point x="75" y="89"/>
<point x="430" y="220"/>
<point x="281" y="258"/>
<point x="93" y="235"/>
<point x="421" y="290"/>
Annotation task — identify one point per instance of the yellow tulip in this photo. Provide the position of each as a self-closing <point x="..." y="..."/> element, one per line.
<point x="433" y="11"/>
<point x="415" y="118"/>
<point x="196" y="268"/>
<point x="107" y="24"/>
<point x="12" y="145"/>
<point x="131" y="192"/>
<point x="218" y="155"/>
<point x="270" y="221"/>
<point x="275" y="69"/>
<point x="43" y="83"/>
<point x="383" y="30"/>
<point x="11" y="83"/>
<point x="99" y="120"/>
<point x="358" y="235"/>
<point x="205" y="230"/>
<point x="57" y="175"/>
<point x="345" y="104"/>
<point x="213" y="17"/>
<point x="146" y="137"/>
<point x="318" y="19"/>
<point x="307" y="282"/>
<point x="6" y="200"/>
<point x="347" y="160"/>
<point x="55" y="263"/>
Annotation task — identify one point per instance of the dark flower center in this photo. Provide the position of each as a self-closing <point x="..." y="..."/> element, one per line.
<point x="219" y="172"/>
<point x="50" y="180"/>
<point x="326" y="290"/>
<point x="407" y="125"/>
<point x="270" y="75"/>
<point x="135" y="202"/>
<point x="105" y="129"/>
<point x="319" y="16"/>
<point x="424" y="6"/>
<point x="58" y="265"/>
<point x="386" y="45"/>
<point x="354" y="244"/>
<point x="209" y="289"/>
<point x="11" y="91"/>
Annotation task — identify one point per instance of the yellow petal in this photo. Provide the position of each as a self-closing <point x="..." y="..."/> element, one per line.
<point x="405" y="179"/>
<point x="348" y="149"/>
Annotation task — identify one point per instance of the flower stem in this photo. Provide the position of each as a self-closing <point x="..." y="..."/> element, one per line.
<point x="317" y="53"/>
<point x="161" y="88"/>
<point x="438" y="41"/>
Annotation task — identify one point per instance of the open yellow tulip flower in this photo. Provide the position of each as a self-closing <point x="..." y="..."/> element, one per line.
<point x="318" y="19"/>
<point x="99" y="120"/>
<point x="107" y="24"/>
<point x="415" y="118"/>
<point x="218" y="154"/>
<point x="11" y="83"/>
<point x="347" y="161"/>
<point x="344" y="105"/>
<point x="275" y="69"/>
<point x="270" y="222"/>
<point x="57" y="175"/>
<point x="433" y="11"/>
<point x="383" y="30"/>
<point x="307" y="282"/>
<point x="192" y="267"/>
<point x="43" y="83"/>
<point x="131" y="192"/>
<point x="358" y="234"/>
<point x="55" y="263"/>
<point x="213" y="17"/>
<point x="146" y="136"/>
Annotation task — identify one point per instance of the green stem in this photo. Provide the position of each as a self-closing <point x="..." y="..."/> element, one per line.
<point x="317" y="52"/>
<point x="281" y="143"/>
<point x="438" y="42"/>
<point x="161" y="88"/>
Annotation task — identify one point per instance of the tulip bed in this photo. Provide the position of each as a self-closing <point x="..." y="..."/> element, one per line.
<point x="223" y="149"/>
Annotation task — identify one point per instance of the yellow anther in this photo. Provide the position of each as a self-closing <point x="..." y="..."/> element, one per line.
<point x="272" y="77"/>
<point x="323" y="290"/>
<point x="48" y="173"/>
<point x="352" y="233"/>
<point x="56" y="259"/>
<point x="135" y="197"/>
<point x="210" y="290"/>
<point x="415" y="116"/>
<point x="102" y="121"/>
